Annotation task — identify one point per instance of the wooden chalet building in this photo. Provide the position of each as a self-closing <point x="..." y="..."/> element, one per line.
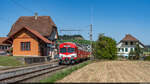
<point x="33" y="36"/>
<point x="3" y="47"/>
<point x="127" y="44"/>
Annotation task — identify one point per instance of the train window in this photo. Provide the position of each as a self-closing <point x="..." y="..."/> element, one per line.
<point x="62" y="50"/>
<point x="71" y="50"/>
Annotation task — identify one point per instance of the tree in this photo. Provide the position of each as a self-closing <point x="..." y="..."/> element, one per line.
<point x="105" y="48"/>
<point x="10" y="51"/>
<point x="135" y="55"/>
<point x="138" y="52"/>
<point x="71" y="37"/>
<point x="131" y="55"/>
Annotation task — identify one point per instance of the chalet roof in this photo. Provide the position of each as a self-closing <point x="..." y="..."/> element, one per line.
<point x="43" y="24"/>
<point x="129" y="37"/>
<point x="37" y="34"/>
<point x="2" y="39"/>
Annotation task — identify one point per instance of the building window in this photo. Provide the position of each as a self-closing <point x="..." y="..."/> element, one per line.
<point x="25" y="46"/>
<point x="2" y="47"/>
<point x="148" y="49"/>
<point x="131" y="43"/>
<point x="119" y="49"/>
<point x="5" y="47"/>
<point x="126" y="43"/>
<point x="63" y="50"/>
<point x="71" y="50"/>
<point x="126" y="49"/>
<point x="131" y="49"/>
<point x="122" y="49"/>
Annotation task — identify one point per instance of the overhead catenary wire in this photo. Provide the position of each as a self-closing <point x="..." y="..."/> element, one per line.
<point x="74" y="28"/>
<point x="2" y="34"/>
<point x="23" y="7"/>
<point x="60" y="29"/>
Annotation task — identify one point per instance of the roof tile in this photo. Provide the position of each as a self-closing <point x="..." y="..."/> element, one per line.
<point x="129" y="37"/>
<point x="2" y="39"/>
<point x="37" y="34"/>
<point x="44" y="24"/>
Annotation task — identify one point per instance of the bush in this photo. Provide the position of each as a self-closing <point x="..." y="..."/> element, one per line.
<point x="136" y="54"/>
<point x="105" y="48"/>
<point x="131" y="55"/>
<point x="147" y="58"/>
<point x="10" y="51"/>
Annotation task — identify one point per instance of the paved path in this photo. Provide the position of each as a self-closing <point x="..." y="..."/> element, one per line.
<point x="112" y="71"/>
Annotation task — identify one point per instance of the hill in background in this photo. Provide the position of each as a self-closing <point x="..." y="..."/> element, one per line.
<point x="73" y="38"/>
<point x="70" y="37"/>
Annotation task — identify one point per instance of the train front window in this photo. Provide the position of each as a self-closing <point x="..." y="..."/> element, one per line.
<point x="71" y="50"/>
<point x="63" y="50"/>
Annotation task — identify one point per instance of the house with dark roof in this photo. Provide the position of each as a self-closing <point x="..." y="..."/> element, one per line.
<point x="33" y="36"/>
<point x="3" y="47"/>
<point x="127" y="44"/>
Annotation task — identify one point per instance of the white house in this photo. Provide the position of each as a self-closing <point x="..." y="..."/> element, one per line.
<point x="127" y="44"/>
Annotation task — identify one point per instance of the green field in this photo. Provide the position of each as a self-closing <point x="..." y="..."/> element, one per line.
<point x="10" y="61"/>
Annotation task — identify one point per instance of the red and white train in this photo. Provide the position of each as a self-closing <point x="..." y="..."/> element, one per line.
<point x="71" y="53"/>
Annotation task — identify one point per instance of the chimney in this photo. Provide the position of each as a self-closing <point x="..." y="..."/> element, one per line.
<point x="36" y="16"/>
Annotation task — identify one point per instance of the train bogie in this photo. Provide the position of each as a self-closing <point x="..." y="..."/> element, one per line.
<point x="67" y="61"/>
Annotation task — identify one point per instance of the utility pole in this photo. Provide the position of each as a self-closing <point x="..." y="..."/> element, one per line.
<point x="91" y="34"/>
<point x="91" y="56"/>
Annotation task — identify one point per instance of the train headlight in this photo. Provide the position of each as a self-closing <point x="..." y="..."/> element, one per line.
<point x="72" y="57"/>
<point x="60" y="57"/>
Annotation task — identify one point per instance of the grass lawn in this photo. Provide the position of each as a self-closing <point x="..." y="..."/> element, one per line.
<point x="10" y="61"/>
<point x="65" y="72"/>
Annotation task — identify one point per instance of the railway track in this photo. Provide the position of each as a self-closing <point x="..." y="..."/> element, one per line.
<point x="22" y="74"/>
<point x="28" y="65"/>
<point x="18" y="75"/>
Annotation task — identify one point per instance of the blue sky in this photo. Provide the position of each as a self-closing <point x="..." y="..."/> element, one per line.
<point x="115" y="18"/>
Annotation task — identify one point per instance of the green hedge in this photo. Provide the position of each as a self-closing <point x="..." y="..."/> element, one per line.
<point x="147" y="58"/>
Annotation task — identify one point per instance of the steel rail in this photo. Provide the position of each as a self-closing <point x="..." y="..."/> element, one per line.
<point x="29" y="72"/>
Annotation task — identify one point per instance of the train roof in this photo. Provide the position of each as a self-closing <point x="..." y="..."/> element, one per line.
<point x="73" y="43"/>
<point x="78" y="45"/>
